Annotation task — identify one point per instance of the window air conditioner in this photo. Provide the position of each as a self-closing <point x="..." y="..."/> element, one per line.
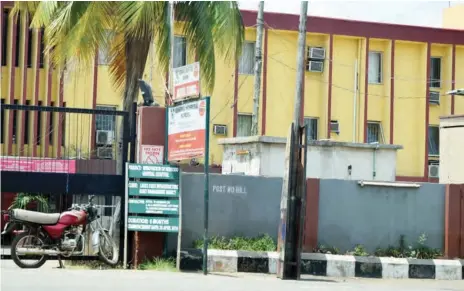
<point x="315" y="66"/>
<point x="105" y="137"/>
<point x="335" y="127"/>
<point x="105" y="153"/>
<point x="434" y="97"/>
<point x="317" y="53"/>
<point x="434" y="171"/>
<point x="220" y="129"/>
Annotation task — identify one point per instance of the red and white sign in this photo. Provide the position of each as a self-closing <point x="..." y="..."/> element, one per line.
<point x="186" y="81"/>
<point x="151" y="154"/>
<point x="186" y="130"/>
<point x="24" y="164"/>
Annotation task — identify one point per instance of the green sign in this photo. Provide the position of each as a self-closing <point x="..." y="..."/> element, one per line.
<point x="161" y="172"/>
<point x="153" y="224"/>
<point x="160" y="189"/>
<point x="154" y="206"/>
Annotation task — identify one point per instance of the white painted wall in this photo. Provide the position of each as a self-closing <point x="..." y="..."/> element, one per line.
<point x="326" y="159"/>
<point x="451" y="150"/>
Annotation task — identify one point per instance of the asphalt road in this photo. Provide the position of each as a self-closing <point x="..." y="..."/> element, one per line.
<point x="48" y="278"/>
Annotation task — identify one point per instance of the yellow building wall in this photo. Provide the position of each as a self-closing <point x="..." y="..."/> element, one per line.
<point x="347" y="102"/>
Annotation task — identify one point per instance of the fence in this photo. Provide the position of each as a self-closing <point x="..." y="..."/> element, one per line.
<point x="65" y="155"/>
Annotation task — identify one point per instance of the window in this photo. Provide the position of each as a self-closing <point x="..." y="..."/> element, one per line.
<point x="18" y="39"/>
<point x="247" y="59"/>
<point x="50" y="126"/>
<point x="375" y="68"/>
<point x="374" y="132"/>
<point x="4" y="35"/>
<point x="38" y="128"/>
<point x="104" y="52"/>
<point x="180" y="52"/>
<point x="103" y="121"/>
<point x="244" y="125"/>
<point x="26" y="123"/>
<point x="42" y="48"/>
<point x="312" y="124"/>
<point x="434" y="140"/>
<point x="2" y="129"/>
<point x="29" y="45"/>
<point x="435" y="72"/>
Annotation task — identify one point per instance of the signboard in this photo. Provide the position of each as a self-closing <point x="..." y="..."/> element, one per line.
<point x="153" y="189"/>
<point x="154" y="206"/>
<point x="152" y="199"/>
<point x="153" y="224"/>
<point x="151" y="154"/>
<point x="186" y="81"/>
<point x="24" y="164"/>
<point x="162" y="172"/>
<point x="186" y="130"/>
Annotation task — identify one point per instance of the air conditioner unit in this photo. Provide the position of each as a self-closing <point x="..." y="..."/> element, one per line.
<point x="315" y="66"/>
<point x="105" y="137"/>
<point x="434" y="171"/>
<point x="105" y="153"/>
<point x="317" y="53"/>
<point x="335" y="127"/>
<point x="434" y="97"/>
<point x="220" y="129"/>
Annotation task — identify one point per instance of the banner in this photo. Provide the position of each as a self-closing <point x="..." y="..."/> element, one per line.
<point x="186" y="81"/>
<point x="26" y="164"/>
<point x="186" y="130"/>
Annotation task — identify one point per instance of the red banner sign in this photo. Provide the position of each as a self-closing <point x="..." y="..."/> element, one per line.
<point x="22" y="164"/>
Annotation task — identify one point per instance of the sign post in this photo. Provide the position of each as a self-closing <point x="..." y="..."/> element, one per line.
<point x="186" y="82"/>
<point x="187" y="138"/>
<point x="152" y="195"/>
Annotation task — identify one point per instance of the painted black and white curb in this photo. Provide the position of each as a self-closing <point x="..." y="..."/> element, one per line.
<point x="325" y="265"/>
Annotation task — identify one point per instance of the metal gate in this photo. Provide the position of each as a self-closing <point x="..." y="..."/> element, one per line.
<point x="64" y="155"/>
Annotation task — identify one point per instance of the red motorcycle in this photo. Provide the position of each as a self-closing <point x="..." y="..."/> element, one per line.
<point x="58" y="234"/>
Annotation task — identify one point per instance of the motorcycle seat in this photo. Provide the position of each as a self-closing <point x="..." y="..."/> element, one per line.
<point x="36" y="217"/>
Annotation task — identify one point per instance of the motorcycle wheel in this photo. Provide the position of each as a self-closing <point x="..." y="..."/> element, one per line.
<point x="107" y="250"/>
<point x="21" y="238"/>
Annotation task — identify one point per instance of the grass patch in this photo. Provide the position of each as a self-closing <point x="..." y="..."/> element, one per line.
<point x="263" y="243"/>
<point x="159" y="264"/>
<point x="89" y="265"/>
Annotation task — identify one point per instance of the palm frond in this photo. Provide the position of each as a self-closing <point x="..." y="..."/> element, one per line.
<point x="29" y="7"/>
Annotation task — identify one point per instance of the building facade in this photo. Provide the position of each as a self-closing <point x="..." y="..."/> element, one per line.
<point x="364" y="82"/>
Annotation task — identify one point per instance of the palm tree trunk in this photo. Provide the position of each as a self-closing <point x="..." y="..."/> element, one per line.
<point x="136" y="57"/>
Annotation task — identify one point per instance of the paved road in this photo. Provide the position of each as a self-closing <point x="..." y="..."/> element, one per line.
<point x="48" y="278"/>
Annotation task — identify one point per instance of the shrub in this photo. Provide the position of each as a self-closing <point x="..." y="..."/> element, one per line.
<point x="260" y="243"/>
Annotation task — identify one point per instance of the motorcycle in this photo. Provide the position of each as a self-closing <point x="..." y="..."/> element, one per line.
<point x="58" y="234"/>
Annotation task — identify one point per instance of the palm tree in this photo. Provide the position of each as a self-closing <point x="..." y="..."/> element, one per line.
<point x="74" y="30"/>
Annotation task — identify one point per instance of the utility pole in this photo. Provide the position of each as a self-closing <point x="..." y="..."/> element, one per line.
<point x="258" y="66"/>
<point x="300" y="64"/>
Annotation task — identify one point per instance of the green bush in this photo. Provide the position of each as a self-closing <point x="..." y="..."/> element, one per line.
<point x="262" y="243"/>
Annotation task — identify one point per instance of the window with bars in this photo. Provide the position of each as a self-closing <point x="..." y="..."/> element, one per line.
<point x="312" y="123"/>
<point x="247" y="59"/>
<point x="105" y="122"/>
<point x="180" y="52"/>
<point x="2" y="129"/>
<point x="42" y="48"/>
<point x="5" y="27"/>
<point x="104" y="52"/>
<point x="244" y="125"/>
<point x="374" y="132"/>
<point x="435" y="72"/>
<point x="434" y="140"/>
<point x="375" y="68"/>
